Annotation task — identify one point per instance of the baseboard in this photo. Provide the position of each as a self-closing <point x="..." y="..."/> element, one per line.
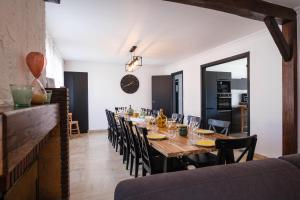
<point x="97" y="131"/>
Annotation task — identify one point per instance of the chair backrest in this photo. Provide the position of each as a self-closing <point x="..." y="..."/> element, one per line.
<point x="174" y="116"/>
<point x="226" y="149"/>
<point x="191" y="118"/>
<point x="107" y="117"/>
<point x="146" y="154"/>
<point x="219" y="126"/>
<point x="133" y="140"/>
<point x="178" y="117"/>
<point x="126" y="139"/>
<point x="120" y="109"/>
<point x="155" y="113"/>
<point x="70" y="117"/>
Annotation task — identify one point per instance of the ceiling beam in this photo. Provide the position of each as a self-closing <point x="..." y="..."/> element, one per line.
<point x="252" y="9"/>
<point x="278" y="37"/>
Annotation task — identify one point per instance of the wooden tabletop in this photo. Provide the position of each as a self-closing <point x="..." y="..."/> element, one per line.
<point x="180" y="146"/>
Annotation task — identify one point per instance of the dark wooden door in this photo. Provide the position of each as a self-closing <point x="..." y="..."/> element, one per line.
<point x="162" y="94"/>
<point x="77" y="83"/>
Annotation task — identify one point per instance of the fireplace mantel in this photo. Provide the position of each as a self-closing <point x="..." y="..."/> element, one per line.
<point x="33" y="154"/>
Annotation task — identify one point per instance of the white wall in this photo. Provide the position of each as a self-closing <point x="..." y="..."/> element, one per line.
<point x="22" y="30"/>
<point x="265" y="86"/>
<point x="105" y="91"/>
<point x="238" y="68"/>
<point x="55" y="63"/>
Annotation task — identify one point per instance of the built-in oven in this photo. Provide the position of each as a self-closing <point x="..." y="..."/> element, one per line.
<point x="223" y="86"/>
<point x="224" y="102"/>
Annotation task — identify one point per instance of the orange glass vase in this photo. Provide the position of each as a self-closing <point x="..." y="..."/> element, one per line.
<point x="36" y="62"/>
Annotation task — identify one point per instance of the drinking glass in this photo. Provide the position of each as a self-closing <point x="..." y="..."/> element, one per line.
<point x="174" y="118"/>
<point x="171" y="135"/>
<point x="21" y="94"/>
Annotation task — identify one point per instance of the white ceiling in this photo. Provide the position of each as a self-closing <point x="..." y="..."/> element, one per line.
<point x="105" y="30"/>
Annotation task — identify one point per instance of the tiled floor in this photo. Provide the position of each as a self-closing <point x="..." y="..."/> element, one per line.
<point x="95" y="168"/>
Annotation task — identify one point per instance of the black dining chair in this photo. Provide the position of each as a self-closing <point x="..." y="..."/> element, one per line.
<point x="109" y="132"/>
<point x="191" y="118"/>
<point x="219" y="126"/>
<point x="126" y="141"/>
<point x="152" y="162"/>
<point x="226" y="149"/>
<point x="117" y="137"/>
<point x="135" y="153"/>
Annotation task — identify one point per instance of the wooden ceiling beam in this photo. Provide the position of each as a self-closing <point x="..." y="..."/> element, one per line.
<point x="284" y="48"/>
<point x="252" y="9"/>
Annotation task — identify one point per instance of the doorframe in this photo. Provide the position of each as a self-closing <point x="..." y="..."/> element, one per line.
<point x="173" y="75"/>
<point x="222" y="61"/>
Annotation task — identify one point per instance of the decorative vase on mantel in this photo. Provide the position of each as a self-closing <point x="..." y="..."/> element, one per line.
<point x="36" y="62"/>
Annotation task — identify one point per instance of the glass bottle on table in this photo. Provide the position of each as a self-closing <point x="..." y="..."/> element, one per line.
<point x="161" y="119"/>
<point x="130" y="111"/>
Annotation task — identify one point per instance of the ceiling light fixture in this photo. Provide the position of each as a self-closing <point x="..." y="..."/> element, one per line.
<point x="135" y="62"/>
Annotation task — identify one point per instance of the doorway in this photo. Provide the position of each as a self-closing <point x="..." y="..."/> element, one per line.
<point x="225" y="89"/>
<point x="177" y="92"/>
<point x="77" y="83"/>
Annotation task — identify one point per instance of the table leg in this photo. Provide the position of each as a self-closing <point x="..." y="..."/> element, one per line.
<point x="165" y="164"/>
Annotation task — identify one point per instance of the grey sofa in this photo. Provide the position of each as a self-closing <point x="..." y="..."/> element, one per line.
<point x="270" y="179"/>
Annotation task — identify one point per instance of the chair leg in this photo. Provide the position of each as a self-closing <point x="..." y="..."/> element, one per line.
<point x="127" y="158"/>
<point x="136" y="167"/>
<point x="143" y="171"/>
<point x="117" y="143"/>
<point x="77" y="128"/>
<point x="124" y="154"/>
<point x="131" y="164"/>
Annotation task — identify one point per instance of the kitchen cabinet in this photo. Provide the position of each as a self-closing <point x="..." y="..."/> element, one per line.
<point x="239" y="84"/>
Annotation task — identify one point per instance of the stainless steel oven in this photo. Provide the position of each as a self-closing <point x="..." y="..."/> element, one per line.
<point x="223" y="86"/>
<point x="224" y="102"/>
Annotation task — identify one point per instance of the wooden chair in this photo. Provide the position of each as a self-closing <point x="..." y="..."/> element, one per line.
<point x="73" y="126"/>
<point x="116" y="133"/>
<point x="135" y="152"/>
<point x="226" y="149"/>
<point x="151" y="162"/>
<point x="225" y="153"/>
<point x="126" y="142"/>
<point x="109" y="128"/>
<point x="219" y="126"/>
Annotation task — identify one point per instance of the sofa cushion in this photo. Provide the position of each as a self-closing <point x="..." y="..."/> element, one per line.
<point x="272" y="179"/>
<point x="294" y="159"/>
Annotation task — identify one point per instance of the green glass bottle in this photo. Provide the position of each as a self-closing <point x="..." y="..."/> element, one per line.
<point x="130" y="111"/>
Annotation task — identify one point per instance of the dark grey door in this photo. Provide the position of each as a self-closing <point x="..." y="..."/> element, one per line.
<point x="162" y="94"/>
<point x="77" y="83"/>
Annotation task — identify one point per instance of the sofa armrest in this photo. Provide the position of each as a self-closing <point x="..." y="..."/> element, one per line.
<point x="294" y="159"/>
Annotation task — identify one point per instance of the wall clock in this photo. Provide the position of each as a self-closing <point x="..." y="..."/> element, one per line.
<point x="129" y="84"/>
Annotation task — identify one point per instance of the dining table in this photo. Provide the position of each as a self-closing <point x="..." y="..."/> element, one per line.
<point x="178" y="146"/>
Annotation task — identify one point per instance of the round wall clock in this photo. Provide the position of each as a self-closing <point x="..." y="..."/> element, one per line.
<point x="129" y="84"/>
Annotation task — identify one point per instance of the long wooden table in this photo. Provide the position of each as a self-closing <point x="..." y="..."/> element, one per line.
<point x="179" y="146"/>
